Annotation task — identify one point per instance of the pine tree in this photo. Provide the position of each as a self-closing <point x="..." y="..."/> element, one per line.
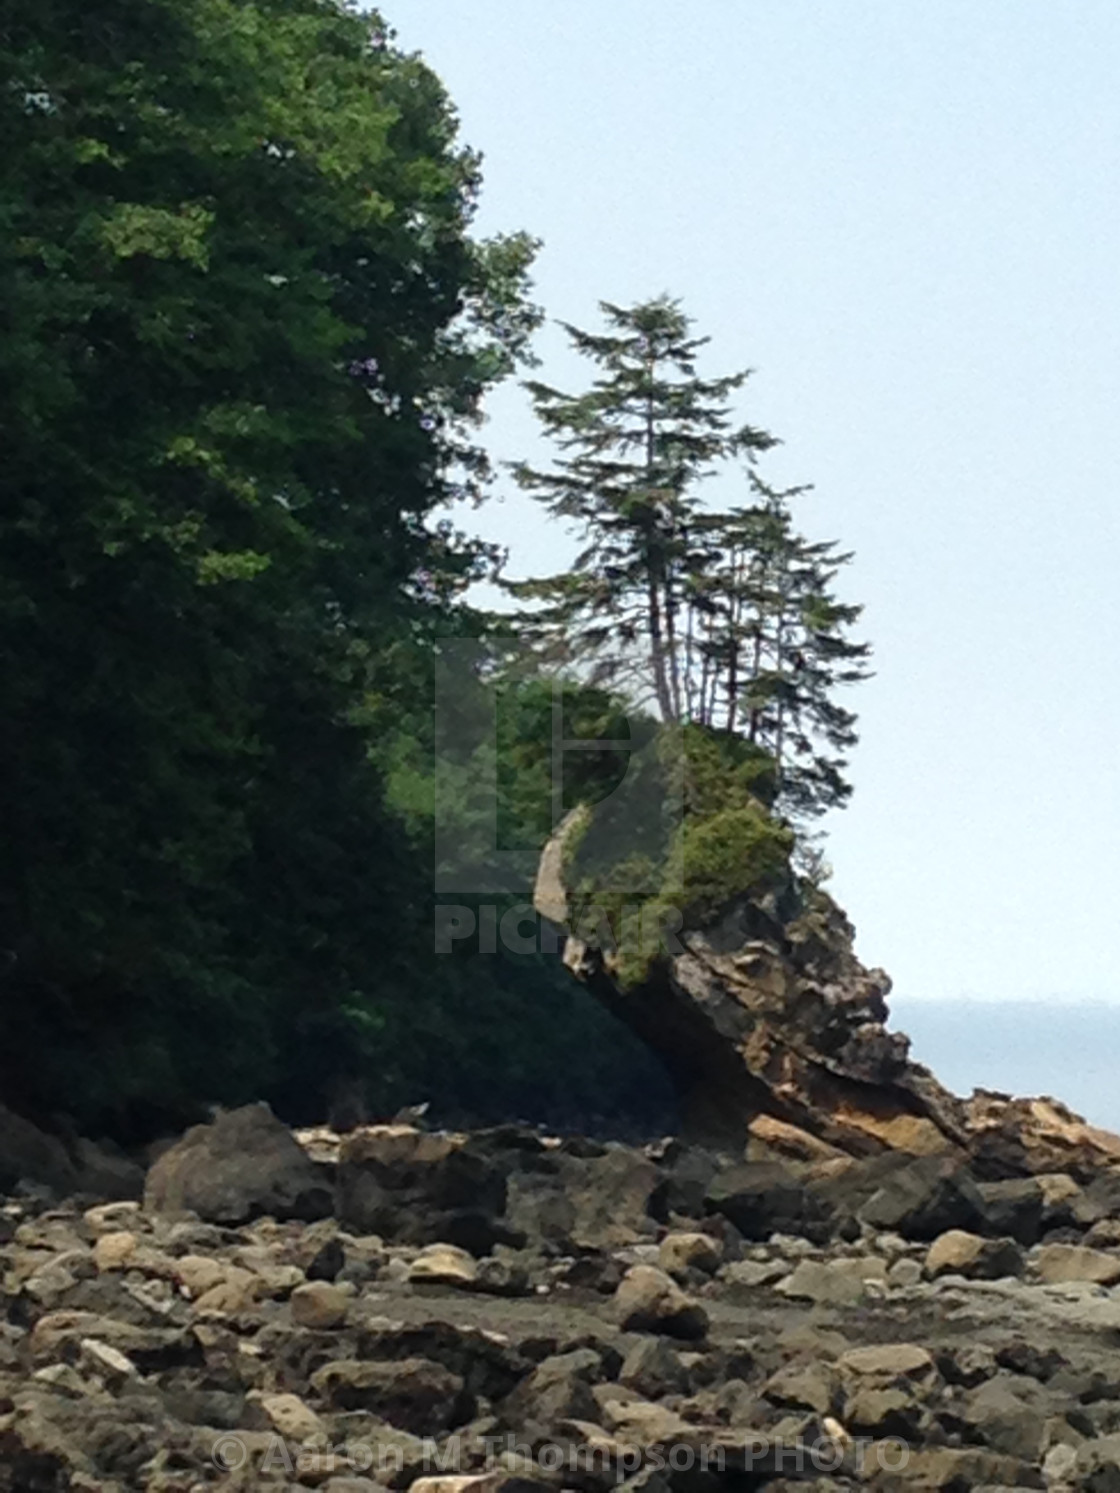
<point x="727" y="619"/>
<point x="636" y="444"/>
<point x="779" y="638"/>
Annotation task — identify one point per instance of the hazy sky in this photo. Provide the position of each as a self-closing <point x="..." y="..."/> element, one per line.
<point x="907" y="220"/>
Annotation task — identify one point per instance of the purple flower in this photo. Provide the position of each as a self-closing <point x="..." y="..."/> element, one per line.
<point x="427" y="423"/>
<point x="364" y="368"/>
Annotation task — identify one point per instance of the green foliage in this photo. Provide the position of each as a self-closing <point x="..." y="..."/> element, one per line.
<point x="247" y="338"/>
<point x="724" y="771"/>
<point x="778" y="629"/>
<point x="634" y="446"/>
<point x="731" y="853"/>
<point x="247" y="334"/>
<point x="718" y="842"/>
<point x="728" y="618"/>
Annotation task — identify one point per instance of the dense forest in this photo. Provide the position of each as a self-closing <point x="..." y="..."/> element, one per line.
<point x="249" y="333"/>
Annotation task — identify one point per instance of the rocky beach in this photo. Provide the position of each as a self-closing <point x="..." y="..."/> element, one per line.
<point x="504" y="1310"/>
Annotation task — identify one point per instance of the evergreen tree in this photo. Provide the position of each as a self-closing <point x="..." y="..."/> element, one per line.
<point x="779" y="645"/>
<point x="635" y="446"/>
<point x="728" y="619"/>
<point x="247" y="331"/>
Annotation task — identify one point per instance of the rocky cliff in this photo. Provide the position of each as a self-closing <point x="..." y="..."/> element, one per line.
<point x="776" y="1035"/>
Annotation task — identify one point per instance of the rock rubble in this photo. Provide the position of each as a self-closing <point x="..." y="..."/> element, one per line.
<point x="585" y="1315"/>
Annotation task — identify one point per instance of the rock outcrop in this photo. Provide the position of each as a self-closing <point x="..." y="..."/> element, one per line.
<point x="775" y="1035"/>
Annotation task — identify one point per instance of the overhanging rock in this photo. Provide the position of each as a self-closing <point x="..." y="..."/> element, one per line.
<point x="775" y="1034"/>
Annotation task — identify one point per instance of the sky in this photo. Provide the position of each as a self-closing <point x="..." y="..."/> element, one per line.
<point x="906" y="219"/>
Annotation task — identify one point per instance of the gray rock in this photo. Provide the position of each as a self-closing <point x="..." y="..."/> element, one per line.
<point x="961" y="1253"/>
<point x="648" y="1300"/>
<point x="558" y="1389"/>
<point x="415" y="1187"/>
<point x="743" y="1277"/>
<point x="681" y="1253"/>
<point x="244" y="1165"/>
<point x="904" y="1273"/>
<point x="763" y="1198"/>
<point x="833" y="1282"/>
<point x="1098" y="1465"/>
<point x="802" y="1387"/>
<point x="1057" y="1264"/>
<point x="1008" y="1413"/>
<point x="654" y="1369"/>
<point x="924" y="1197"/>
<point x="413" y="1394"/>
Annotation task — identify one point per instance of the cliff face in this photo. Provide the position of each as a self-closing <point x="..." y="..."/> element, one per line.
<point x="775" y="1035"/>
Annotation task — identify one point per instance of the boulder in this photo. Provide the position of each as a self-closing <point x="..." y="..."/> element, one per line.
<point x="114" y="1251"/>
<point x="802" y="1387"/>
<point x="648" y="1300"/>
<point x="1099" y="1201"/>
<point x="960" y="1253"/>
<point x="413" y="1394"/>
<point x="840" y="1282"/>
<point x="764" y="1198"/>
<point x="1098" y="1465"/>
<point x="244" y="1165"/>
<point x="558" y="1389"/>
<point x="923" y="1198"/>
<point x="1016" y="1209"/>
<point x="485" y="1361"/>
<point x="319" y="1305"/>
<point x="654" y="1369"/>
<point x="104" y="1171"/>
<point x="895" y="1412"/>
<point x="444" y="1265"/>
<point x="1031" y="1137"/>
<point x="1007" y="1413"/>
<point x="610" y="1197"/>
<point x="28" y="1154"/>
<point x="968" y="1365"/>
<point x="415" y="1187"/>
<point x="963" y="1467"/>
<point x="888" y="1361"/>
<point x="1059" y="1263"/>
<point x="579" y="1203"/>
<point x="291" y="1418"/>
<point x="680" y="1253"/>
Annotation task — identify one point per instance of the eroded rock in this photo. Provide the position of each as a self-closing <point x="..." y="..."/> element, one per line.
<point x="243" y="1165"/>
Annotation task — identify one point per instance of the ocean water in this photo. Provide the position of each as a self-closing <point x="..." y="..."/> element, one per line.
<point x="1070" y="1052"/>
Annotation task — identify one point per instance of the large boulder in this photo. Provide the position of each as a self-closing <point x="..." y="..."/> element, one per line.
<point x="105" y="1172"/>
<point x="244" y="1165"/>
<point x="581" y="1203"/>
<point x="648" y="1300"/>
<point x="420" y="1188"/>
<point x="1032" y="1137"/>
<point x="65" y="1166"/>
<point x="976" y="1258"/>
<point x="917" y="1197"/>
<point x="28" y="1154"/>
<point x="926" y="1198"/>
<point x="763" y="1197"/>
